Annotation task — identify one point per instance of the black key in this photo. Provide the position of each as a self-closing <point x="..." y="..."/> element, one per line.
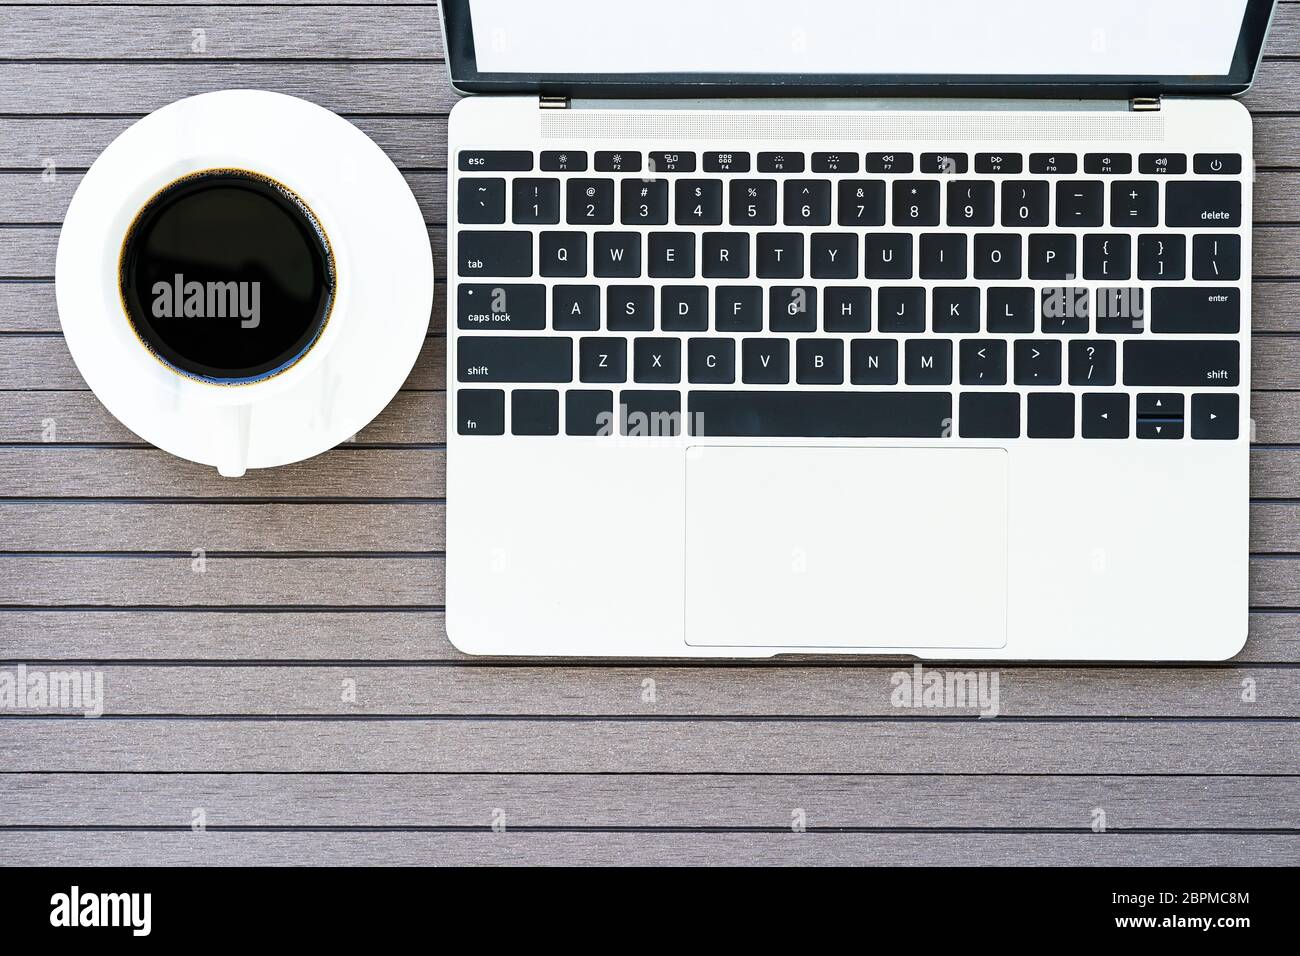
<point x="807" y="202"/>
<point x="1215" y="417"/>
<point x="589" y="411"/>
<point x="645" y="202"/>
<point x="989" y="415"/>
<point x="765" y="361"/>
<point x="725" y="255"/>
<point x="1159" y="428"/>
<point x="983" y="362"/>
<point x="1182" y="363"/>
<point x="1200" y="310"/>
<point x="1162" y="164"/>
<point x="1203" y="204"/>
<point x="834" y="255"/>
<point x="1104" y="415"/>
<point x="494" y="253"/>
<point x="1092" y="362"/>
<point x="834" y="162"/>
<point x="1107" y="256"/>
<point x="753" y="202"/>
<point x="1162" y="257"/>
<point x="1108" y="164"/>
<point x="671" y="162"/>
<point x="672" y="255"/>
<point x="534" y="411"/>
<point x="1038" y="362"/>
<point x="1216" y="164"/>
<point x="780" y="255"/>
<point x="1005" y="164"/>
<point x="650" y="414"/>
<point x="1063" y="310"/>
<point x="902" y="309"/>
<point x="821" y="414"/>
<point x="1024" y="203"/>
<point x="699" y="202"/>
<point x="513" y="358"/>
<point x="590" y="202"/>
<point x="481" y="201"/>
<point x="947" y="164"/>
<point x="630" y="308"/>
<point x="1160" y="405"/>
<point x="970" y="202"/>
<point x="602" y="359"/>
<point x="792" y="308"/>
<point x="564" y="161"/>
<point x="1216" y="258"/>
<point x="916" y="202"/>
<point x="1052" y="256"/>
<point x="1080" y="202"/>
<point x="1050" y="415"/>
<point x="846" y="309"/>
<point x="998" y="255"/>
<point x="575" y="308"/>
<point x="1053" y="164"/>
<point x="888" y="255"/>
<point x="500" y="306"/>
<point x="1134" y="203"/>
<point x="819" y="362"/>
<point x="927" y="362"/>
<point x="1011" y="309"/>
<point x="738" y="308"/>
<point x="943" y="255"/>
<point x="616" y="255"/>
<point x="657" y="361"/>
<point x="495" y="160"/>
<point x="1119" y="310"/>
<point x="726" y="162"/>
<point x="780" y="162"/>
<point x="956" y="309"/>
<point x="618" y="161"/>
<point x="873" y="362"/>
<point x="480" y="411"/>
<point x="889" y="162"/>
<point x="862" y="202"/>
<point x="711" y="361"/>
<point x="536" y="201"/>
<point x="684" y="308"/>
<point x="562" y="254"/>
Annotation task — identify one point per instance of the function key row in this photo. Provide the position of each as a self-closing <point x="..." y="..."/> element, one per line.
<point x="952" y="163"/>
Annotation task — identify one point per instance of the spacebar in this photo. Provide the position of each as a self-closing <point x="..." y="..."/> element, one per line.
<point x="821" y="414"/>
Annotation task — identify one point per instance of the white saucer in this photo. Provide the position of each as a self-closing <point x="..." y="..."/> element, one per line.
<point x="381" y="309"/>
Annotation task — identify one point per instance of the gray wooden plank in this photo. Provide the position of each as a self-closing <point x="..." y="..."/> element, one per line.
<point x="1275" y="473"/>
<point x="150" y="526"/>
<point x="392" y="635"/>
<point x="344" y="848"/>
<point x="179" y="582"/>
<point x="525" y="745"/>
<point x="228" y="32"/>
<point x="721" y="691"/>
<point x="144" y="473"/>
<point x="667" y="800"/>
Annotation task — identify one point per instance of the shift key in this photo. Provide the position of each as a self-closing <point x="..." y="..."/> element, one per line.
<point x="1183" y="362"/>
<point x="514" y="358"/>
<point x="494" y="253"/>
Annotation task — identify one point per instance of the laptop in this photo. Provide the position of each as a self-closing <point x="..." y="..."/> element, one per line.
<point x="849" y="327"/>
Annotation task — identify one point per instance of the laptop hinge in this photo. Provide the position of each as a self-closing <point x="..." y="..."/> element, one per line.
<point x="553" y="102"/>
<point x="1144" y="104"/>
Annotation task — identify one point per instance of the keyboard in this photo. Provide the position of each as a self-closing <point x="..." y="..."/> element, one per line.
<point x="787" y="294"/>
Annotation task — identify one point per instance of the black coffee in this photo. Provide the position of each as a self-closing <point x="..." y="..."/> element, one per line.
<point x="226" y="276"/>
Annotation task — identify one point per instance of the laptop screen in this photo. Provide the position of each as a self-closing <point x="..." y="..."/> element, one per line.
<point x="667" y="45"/>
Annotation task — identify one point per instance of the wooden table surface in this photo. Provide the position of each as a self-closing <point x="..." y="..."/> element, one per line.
<point x="297" y="700"/>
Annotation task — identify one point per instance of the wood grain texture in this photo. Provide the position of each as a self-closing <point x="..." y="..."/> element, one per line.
<point x="224" y="687"/>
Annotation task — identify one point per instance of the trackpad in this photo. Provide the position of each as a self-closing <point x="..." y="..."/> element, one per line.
<point x="846" y="547"/>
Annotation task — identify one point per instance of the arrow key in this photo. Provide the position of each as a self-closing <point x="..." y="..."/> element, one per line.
<point x="1105" y="415"/>
<point x="1215" y="416"/>
<point x="1160" y="405"/>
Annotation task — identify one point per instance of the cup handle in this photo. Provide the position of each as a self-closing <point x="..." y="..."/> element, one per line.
<point x="232" y="461"/>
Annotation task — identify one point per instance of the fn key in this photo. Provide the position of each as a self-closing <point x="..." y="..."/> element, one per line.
<point x="480" y="411"/>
